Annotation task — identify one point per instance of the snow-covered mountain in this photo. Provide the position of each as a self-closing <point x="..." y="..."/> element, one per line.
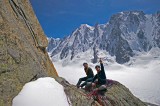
<point x="122" y="37"/>
<point x="140" y="75"/>
<point x="53" y="43"/>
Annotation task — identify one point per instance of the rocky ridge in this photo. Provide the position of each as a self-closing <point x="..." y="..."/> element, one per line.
<point x="117" y="95"/>
<point x="125" y="34"/>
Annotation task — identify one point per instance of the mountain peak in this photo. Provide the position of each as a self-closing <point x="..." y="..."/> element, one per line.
<point x="123" y="36"/>
<point x="86" y="26"/>
<point x="136" y="12"/>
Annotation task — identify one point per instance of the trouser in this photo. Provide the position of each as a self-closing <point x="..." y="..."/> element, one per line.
<point x="84" y="79"/>
<point x="100" y="87"/>
<point x="85" y="83"/>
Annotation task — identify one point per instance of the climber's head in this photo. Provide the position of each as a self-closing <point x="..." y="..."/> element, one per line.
<point x="97" y="67"/>
<point x="85" y="65"/>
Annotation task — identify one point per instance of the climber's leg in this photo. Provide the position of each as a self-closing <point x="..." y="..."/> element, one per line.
<point x="85" y="83"/>
<point x="88" y="86"/>
<point x="80" y="80"/>
<point x="102" y="89"/>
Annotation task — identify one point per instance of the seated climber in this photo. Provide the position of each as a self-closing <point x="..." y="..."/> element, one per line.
<point x="88" y="78"/>
<point x="100" y="77"/>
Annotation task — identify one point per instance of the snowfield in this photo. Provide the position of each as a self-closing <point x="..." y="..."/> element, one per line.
<point x="141" y="75"/>
<point x="42" y="92"/>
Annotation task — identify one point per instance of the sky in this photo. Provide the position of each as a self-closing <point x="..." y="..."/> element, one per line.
<point x="59" y="18"/>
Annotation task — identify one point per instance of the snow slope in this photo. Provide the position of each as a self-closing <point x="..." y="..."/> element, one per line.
<point x="42" y="92"/>
<point x="141" y="75"/>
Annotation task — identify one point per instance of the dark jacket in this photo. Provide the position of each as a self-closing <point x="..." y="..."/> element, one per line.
<point x="101" y="76"/>
<point x="89" y="72"/>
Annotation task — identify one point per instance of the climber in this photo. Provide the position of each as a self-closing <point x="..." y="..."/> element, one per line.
<point x="86" y="79"/>
<point x="100" y="77"/>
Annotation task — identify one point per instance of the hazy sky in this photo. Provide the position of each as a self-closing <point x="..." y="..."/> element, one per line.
<point x="60" y="17"/>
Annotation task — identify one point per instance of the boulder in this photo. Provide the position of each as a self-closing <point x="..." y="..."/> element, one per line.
<point x="116" y="95"/>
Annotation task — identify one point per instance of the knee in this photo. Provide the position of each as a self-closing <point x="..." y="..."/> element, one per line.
<point x="102" y="87"/>
<point x="93" y="84"/>
<point x="80" y="79"/>
<point x="87" y="80"/>
<point x="89" y="84"/>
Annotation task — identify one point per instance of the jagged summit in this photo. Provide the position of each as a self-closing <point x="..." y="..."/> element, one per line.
<point x="136" y="12"/>
<point x="82" y="26"/>
<point x="125" y="34"/>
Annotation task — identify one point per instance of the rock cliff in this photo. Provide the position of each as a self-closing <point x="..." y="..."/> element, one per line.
<point x="117" y="95"/>
<point x="23" y="55"/>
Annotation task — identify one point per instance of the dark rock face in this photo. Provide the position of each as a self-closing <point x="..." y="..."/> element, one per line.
<point x="124" y="33"/>
<point x="95" y="59"/>
<point x="117" y="95"/>
<point x="52" y="44"/>
<point x="64" y="53"/>
<point x="119" y="47"/>
<point x="157" y="30"/>
<point x="23" y="57"/>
